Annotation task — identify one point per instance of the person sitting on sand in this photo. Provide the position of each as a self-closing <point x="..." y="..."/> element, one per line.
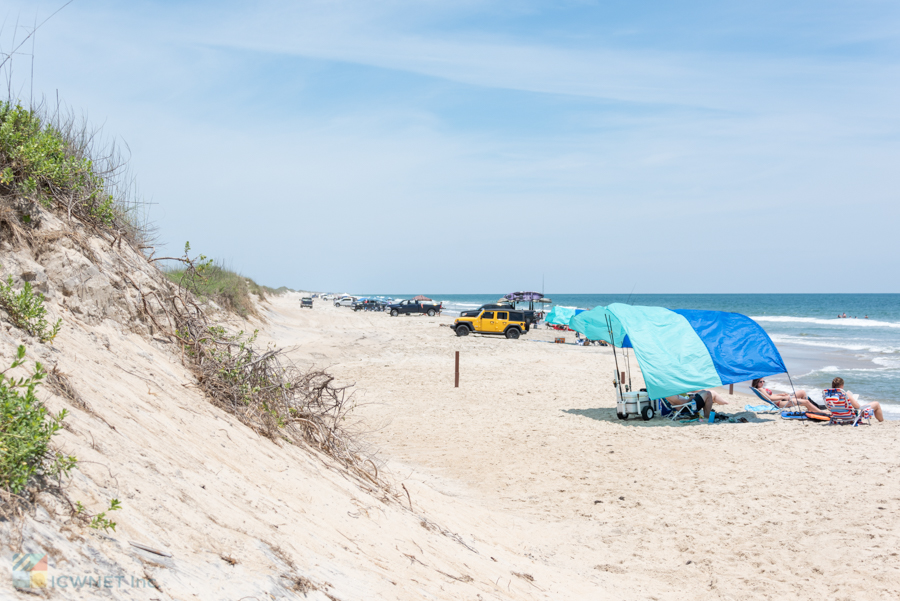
<point x="704" y="399"/>
<point x="837" y="390"/>
<point x="783" y="399"/>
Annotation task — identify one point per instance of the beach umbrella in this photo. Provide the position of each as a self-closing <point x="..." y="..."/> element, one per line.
<point x="680" y="349"/>
<point x="421" y="298"/>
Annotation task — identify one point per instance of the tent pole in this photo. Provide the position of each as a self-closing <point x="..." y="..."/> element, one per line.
<point x="796" y="400"/>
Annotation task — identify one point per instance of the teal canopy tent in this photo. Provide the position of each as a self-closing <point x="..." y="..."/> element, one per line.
<point x="560" y="316"/>
<point x="682" y="350"/>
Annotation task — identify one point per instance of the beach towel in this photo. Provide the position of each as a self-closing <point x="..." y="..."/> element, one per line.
<point x="761" y="408"/>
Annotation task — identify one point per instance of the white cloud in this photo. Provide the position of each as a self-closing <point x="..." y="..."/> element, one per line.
<point x="695" y="166"/>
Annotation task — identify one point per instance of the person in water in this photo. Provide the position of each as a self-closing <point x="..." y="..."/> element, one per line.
<point x="783" y="399"/>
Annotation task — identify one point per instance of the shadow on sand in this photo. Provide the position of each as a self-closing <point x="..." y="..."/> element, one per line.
<point x="609" y="415"/>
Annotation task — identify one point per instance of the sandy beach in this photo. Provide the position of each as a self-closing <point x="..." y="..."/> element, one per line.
<point x="775" y="509"/>
<point x="520" y="484"/>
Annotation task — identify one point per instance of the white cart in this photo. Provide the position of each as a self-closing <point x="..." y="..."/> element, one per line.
<point x="633" y="403"/>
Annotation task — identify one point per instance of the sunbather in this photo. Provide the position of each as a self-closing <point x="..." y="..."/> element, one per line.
<point x="704" y="399"/>
<point x="869" y="409"/>
<point x="783" y="399"/>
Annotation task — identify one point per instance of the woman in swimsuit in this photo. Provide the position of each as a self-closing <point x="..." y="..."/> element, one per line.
<point x="783" y="399"/>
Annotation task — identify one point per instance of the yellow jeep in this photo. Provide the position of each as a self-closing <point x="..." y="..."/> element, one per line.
<point x="507" y="322"/>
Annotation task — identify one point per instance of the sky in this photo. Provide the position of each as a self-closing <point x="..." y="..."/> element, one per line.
<point x="478" y="147"/>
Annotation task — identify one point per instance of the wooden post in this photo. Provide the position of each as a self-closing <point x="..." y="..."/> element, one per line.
<point x="622" y="378"/>
<point x="456" y="383"/>
<point x="731" y="389"/>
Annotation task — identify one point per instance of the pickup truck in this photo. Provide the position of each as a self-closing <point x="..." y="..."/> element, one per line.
<point x="345" y="301"/>
<point x="306" y="301"/>
<point x="408" y="307"/>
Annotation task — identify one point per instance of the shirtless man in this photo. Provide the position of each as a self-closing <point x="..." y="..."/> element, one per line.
<point x="704" y="399"/>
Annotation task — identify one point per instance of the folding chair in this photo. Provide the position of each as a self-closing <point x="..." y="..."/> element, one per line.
<point x="799" y="411"/>
<point x="765" y="399"/>
<point x="842" y="411"/>
<point x="675" y="412"/>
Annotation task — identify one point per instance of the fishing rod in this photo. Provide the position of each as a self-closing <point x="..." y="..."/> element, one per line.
<point x="630" y="293"/>
<point x="615" y="357"/>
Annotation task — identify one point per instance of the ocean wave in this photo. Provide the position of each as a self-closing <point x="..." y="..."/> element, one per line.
<point x="833" y="322"/>
<point x="836" y="344"/>
<point x="887" y="362"/>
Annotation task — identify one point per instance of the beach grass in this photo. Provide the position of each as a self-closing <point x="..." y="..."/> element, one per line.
<point x="228" y="288"/>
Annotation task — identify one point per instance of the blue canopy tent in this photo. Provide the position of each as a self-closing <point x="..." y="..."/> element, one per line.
<point x="680" y="350"/>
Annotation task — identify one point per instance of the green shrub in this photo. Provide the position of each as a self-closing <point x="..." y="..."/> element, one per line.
<point x="26" y="310"/>
<point x="26" y="427"/>
<point x="51" y="164"/>
<point x="99" y="521"/>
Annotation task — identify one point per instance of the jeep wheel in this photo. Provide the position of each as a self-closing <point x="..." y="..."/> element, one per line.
<point x="430" y="312"/>
<point x="394" y="313"/>
<point x="462" y="331"/>
<point x="512" y="333"/>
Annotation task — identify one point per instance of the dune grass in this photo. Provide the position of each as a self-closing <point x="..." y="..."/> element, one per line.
<point x="228" y="288"/>
<point x="57" y="162"/>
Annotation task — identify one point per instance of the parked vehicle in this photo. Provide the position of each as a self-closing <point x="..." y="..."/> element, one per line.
<point x="369" y="304"/>
<point x="511" y="324"/>
<point x="531" y="316"/>
<point x="345" y="301"/>
<point x="306" y="301"/>
<point x="409" y="307"/>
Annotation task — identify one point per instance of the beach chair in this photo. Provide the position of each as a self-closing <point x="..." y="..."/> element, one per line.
<point x="798" y="413"/>
<point x="842" y="412"/>
<point x="676" y="412"/>
<point x="765" y="399"/>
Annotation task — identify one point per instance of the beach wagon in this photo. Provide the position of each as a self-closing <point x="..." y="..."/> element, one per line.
<point x="511" y="324"/>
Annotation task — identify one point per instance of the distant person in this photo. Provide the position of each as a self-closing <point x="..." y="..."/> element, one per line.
<point x="867" y="410"/>
<point x="844" y="316"/>
<point x="783" y="399"/>
<point x="867" y="317"/>
<point x="704" y="399"/>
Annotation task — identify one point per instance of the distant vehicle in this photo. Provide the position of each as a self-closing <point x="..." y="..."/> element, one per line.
<point x="345" y="301"/>
<point x="511" y="324"/>
<point x="369" y="304"/>
<point x="531" y="316"/>
<point x="409" y="307"/>
<point x="306" y="301"/>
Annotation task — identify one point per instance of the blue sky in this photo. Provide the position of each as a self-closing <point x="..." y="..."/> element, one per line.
<point x="470" y="146"/>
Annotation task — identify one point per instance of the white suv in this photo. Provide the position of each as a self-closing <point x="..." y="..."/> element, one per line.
<point x="345" y="301"/>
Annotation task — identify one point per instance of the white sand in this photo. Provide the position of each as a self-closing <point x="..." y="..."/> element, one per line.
<point x="523" y="483"/>
<point x="780" y="509"/>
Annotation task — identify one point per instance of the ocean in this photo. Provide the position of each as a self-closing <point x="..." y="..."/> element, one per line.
<point x="816" y="345"/>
